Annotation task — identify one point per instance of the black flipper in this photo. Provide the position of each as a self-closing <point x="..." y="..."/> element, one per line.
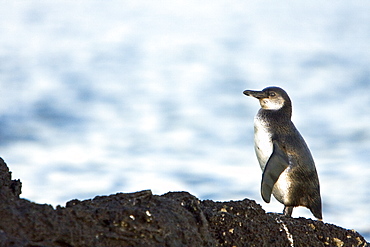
<point x="275" y="165"/>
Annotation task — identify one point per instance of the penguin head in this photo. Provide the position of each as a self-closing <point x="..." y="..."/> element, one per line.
<point x="271" y="98"/>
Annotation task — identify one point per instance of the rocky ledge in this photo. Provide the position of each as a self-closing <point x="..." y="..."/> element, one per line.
<point x="144" y="219"/>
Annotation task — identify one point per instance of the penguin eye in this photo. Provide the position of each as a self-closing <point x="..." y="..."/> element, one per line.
<point x="272" y="94"/>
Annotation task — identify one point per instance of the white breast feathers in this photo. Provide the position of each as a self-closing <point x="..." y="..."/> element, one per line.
<point x="262" y="142"/>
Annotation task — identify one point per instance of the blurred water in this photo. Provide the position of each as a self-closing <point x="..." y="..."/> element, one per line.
<point x="99" y="97"/>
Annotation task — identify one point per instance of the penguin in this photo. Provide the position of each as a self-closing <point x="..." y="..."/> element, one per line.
<point x="288" y="169"/>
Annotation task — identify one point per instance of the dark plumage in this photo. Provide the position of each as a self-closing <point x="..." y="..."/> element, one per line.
<point x="289" y="171"/>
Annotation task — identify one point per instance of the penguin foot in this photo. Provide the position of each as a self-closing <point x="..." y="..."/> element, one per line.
<point x="288" y="210"/>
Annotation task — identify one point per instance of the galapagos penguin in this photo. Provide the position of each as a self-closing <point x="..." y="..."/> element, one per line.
<point x="289" y="171"/>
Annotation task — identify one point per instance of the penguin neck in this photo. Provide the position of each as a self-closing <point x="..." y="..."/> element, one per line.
<point x="280" y="115"/>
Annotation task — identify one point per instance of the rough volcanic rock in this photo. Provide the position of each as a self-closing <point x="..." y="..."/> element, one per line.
<point x="144" y="219"/>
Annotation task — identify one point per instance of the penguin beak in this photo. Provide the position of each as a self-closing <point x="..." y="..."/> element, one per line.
<point x="256" y="94"/>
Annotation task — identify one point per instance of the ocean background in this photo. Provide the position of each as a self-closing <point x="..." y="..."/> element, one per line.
<point x="100" y="97"/>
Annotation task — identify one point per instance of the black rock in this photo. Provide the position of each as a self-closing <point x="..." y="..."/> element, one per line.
<point x="144" y="219"/>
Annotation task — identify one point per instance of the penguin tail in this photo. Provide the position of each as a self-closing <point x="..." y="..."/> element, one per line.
<point x="316" y="209"/>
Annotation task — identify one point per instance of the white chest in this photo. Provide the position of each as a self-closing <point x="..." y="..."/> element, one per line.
<point x="262" y="142"/>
